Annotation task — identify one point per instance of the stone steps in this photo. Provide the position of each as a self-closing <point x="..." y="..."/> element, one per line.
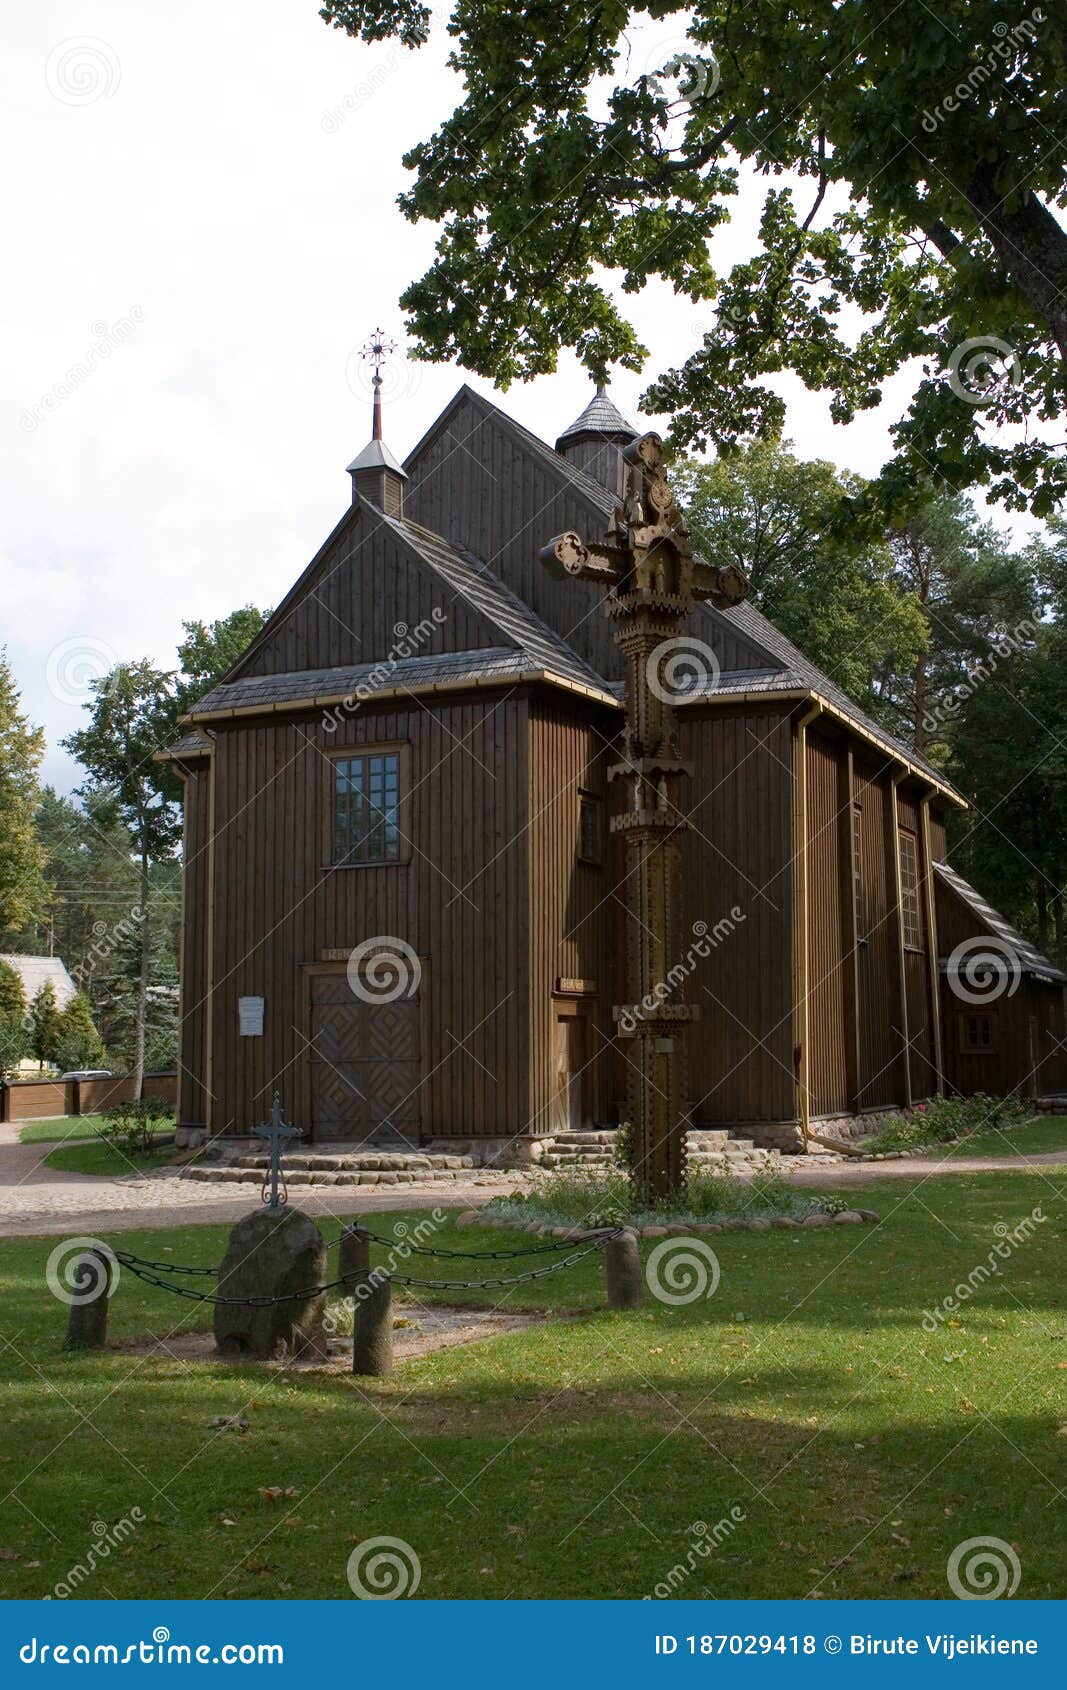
<point x="712" y="1149"/>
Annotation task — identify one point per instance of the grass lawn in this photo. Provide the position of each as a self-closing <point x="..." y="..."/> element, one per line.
<point x="60" y="1129"/>
<point x="1041" y="1136"/>
<point x="100" y="1158"/>
<point x="855" y="1448"/>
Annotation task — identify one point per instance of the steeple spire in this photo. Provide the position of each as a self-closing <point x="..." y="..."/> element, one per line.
<point x="595" y="440"/>
<point x="376" y="475"/>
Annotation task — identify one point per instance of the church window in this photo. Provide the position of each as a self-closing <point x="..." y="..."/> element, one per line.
<point x="589" y="830"/>
<point x="366" y="808"/>
<point x="910" y="909"/>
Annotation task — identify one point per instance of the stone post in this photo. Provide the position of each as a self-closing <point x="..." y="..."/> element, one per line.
<point x="87" y="1326"/>
<point x="372" y="1336"/>
<point x="622" y="1266"/>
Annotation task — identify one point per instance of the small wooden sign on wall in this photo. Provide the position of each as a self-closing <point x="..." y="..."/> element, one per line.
<point x="250" y="1017"/>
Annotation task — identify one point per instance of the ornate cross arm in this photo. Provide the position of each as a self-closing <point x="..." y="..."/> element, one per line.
<point x="568" y="554"/>
<point x="723" y="587"/>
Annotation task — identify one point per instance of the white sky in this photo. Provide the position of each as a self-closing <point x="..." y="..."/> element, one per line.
<point x="201" y="215"/>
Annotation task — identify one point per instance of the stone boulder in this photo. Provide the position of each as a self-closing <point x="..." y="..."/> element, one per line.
<point x="272" y="1253"/>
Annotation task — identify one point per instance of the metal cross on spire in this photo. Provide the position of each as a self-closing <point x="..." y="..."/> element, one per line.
<point x="376" y="350"/>
<point x="277" y="1133"/>
<point x="652" y="581"/>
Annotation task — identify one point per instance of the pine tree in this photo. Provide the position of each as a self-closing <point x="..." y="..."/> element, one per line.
<point x="21" y="749"/>
<point x="45" y="1022"/>
<point x="78" y="1044"/>
<point x="14" y="1037"/>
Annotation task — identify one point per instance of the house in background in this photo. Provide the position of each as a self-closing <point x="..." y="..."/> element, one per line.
<point x="404" y="907"/>
<point x="34" y="972"/>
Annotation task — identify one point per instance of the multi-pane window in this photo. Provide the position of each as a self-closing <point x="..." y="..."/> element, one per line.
<point x="910" y="907"/>
<point x="977" y="1032"/>
<point x="589" y="830"/>
<point x="366" y="801"/>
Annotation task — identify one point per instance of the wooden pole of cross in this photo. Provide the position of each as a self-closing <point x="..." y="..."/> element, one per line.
<point x="652" y="580"/>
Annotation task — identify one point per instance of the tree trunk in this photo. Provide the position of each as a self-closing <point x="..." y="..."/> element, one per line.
<point x="919" y="735"/>
<point x="1031" y="247"/>
<point x="1057" y="924"/>
<point x="142" y="986"/>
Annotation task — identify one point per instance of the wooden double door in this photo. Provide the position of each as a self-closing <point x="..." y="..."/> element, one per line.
<point x="364" y="1063"/>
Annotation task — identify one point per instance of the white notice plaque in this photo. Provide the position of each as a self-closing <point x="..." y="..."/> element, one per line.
<point x="250" y="1014"/>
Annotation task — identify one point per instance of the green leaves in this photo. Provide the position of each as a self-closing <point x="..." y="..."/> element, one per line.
<point x="918" y="147"/>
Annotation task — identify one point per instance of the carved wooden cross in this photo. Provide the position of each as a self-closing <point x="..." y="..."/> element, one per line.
<point x="277" y="1133"/>
<point x="653" y="580"/>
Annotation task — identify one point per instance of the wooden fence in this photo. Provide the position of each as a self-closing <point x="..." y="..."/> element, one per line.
<point x="40" y="1100"/>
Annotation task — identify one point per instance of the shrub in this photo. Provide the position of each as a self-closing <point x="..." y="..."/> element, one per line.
<point x="134" y="1127"/>
<point x="948" y="1120"/>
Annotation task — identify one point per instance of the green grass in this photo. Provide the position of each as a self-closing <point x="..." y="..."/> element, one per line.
<point x="104" y="1159"/>
<point x="601" y="1198"/>
<point x="574" y="1458"/>
<point x="61" y="1129"/>
<point x="1045" y="1134"/>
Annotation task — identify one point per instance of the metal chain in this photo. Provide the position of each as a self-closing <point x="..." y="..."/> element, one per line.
<point x="129" y="1261"/>
<point x="493" y="1284"/>
<point x="602" y="1234"/>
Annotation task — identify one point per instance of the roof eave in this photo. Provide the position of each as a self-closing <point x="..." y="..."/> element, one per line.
<point x="525" y="676"/>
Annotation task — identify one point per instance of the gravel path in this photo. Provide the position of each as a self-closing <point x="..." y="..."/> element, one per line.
<point x="39" y="1200"/>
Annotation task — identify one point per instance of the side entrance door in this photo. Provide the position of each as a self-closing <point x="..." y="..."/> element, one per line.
<point x="364" y="1064"/>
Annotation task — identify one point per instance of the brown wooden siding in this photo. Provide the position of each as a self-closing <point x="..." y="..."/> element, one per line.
<point x="477" y="485"/>
<point x="460" y="903"/>
<point x="573" y="912"/>
<point x="917" y="966"/>
<point x="192" y="1065"/>
<point x="1028" y="1026"/>
<point x="364" y="596"/>
<point x="878" y="972"/>
<point x="738" y="855"/>
<point x="828" y="958"/>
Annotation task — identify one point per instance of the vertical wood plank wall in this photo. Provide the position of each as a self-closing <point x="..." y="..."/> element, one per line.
<point x="475" y="483"/>
<point x="572" y="915"/>
<point x="881" y="1022"/>
<point x="916" y="963"/>
<point x="279" y="906"/>
<point x="829" y="963"/>
<point x="192" y="1056"/>
<point x="738" y="854"/>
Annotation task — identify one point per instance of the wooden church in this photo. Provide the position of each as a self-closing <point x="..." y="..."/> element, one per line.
<point x="404" y="906"/>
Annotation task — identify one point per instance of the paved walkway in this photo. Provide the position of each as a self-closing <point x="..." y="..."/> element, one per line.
<point x="39" y="1200"/>
<point x="35" y="1199"/>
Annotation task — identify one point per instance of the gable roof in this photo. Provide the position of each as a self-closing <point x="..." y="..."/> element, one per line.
<point x="34" y="971"/>
<point x="528" y="648"/>
<point x="1031" y="960"/>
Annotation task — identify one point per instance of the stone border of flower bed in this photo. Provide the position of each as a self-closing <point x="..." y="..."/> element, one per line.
<point x="844" y="1217"/>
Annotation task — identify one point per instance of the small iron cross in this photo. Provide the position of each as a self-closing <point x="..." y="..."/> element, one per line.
<point x="277" y="1133"/>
